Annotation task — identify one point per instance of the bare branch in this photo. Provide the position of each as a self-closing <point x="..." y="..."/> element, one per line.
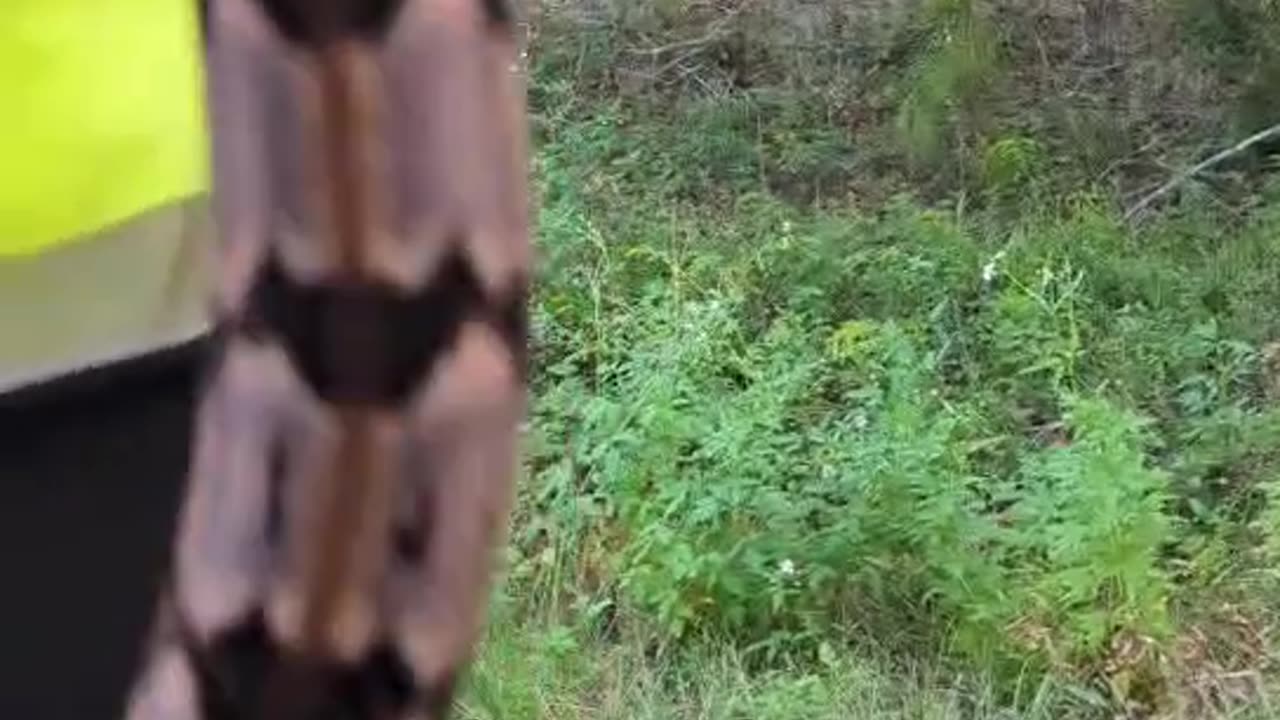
<point x="715" y="32"/>
<point x="690" y="43"/>
<point x="1254" y="139"/>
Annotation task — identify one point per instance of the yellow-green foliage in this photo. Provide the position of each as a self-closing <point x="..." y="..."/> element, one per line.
<point x="948" y="81"/>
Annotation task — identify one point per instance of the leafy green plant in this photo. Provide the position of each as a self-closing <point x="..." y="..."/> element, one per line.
<point x="1096" y="522"/>
<point x="1013" y="165"/>
<point x="1008" y="442"/>
<point x="949" y="78"/>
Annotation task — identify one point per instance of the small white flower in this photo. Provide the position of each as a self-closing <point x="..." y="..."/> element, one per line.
<point x="990" y="269"/>
<point x="988" y="272"/>
<point x="787" y="568"/>
<point x="786" y="226"/>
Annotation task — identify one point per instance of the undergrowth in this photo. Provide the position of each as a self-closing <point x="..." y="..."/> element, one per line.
<point x="909" y="460"/>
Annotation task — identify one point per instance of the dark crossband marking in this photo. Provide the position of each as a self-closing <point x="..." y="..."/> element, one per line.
<point x="234" y="670"/>
<point x="498" y="12"/>
<point x="309" y="22"/>
<point x="371" y="343"/>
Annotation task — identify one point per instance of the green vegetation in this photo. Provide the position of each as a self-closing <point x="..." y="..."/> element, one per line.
<point x="856" y="396"/>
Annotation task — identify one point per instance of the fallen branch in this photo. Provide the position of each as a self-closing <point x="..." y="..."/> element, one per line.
<point x="1254" y="139"/>
<point x="715" y="32"/>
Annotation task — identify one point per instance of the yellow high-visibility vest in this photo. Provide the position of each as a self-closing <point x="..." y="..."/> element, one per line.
<point x="103" y="167"/>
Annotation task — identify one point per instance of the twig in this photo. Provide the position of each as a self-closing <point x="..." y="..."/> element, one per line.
<point x="1121" y="162"/>
<point x="691" y="43"/>
<point x="715" y="32"/>
<point x="1254" y="139"/>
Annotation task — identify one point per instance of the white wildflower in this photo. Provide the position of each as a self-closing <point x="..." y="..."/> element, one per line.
<point x="988" y="272"/>
<point x="992" y="267"/>
<point x="787" y="568"/>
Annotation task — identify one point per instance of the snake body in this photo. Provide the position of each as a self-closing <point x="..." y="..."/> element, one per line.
<point x="355" y="439"/>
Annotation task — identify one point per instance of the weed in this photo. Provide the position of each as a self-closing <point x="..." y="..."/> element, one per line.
<point x="790" y="451"/>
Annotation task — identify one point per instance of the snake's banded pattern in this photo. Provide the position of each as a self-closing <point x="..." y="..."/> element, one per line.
<point x="355" y="439"/>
